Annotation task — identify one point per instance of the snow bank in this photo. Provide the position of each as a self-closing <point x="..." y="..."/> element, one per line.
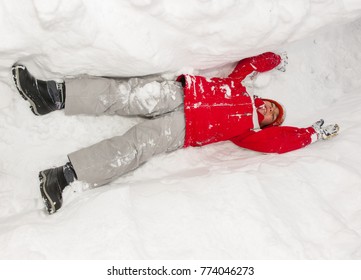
<point x="217" y="201"/>
<point x="127" y="38"/>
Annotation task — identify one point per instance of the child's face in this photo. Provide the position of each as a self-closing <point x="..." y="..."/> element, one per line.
<point x="270" y="112"/>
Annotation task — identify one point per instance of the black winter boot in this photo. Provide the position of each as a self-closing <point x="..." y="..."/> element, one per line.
<point x="43" y="96"/>
<point x="52" y="183"/>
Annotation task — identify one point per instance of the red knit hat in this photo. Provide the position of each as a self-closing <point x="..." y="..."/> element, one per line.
<point x="281" y="115"/>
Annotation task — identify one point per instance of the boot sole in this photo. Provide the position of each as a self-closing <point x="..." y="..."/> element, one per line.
<point x="15" y="74"/>
<point x="49" y="203"/>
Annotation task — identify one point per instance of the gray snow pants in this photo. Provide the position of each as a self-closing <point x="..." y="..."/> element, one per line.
<point x="160" y="102"/>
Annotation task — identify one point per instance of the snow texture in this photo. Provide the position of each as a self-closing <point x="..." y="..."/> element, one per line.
<point x="214" y="202"/>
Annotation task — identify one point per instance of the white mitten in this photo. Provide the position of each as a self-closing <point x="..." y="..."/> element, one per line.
<point x="325" y="132"/>
<point x="284" y="61"/>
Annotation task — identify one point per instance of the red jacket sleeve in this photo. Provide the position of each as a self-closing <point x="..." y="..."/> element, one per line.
<point x="277" y="139"/>
<point x="260" y="63"/>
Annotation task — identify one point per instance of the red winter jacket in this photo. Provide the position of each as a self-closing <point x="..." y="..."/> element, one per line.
<point x="219" y="109"/>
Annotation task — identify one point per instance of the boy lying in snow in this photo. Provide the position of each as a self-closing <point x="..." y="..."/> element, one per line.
<point x="192" y="111"/>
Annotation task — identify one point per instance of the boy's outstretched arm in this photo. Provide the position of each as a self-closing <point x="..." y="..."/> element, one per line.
<point x="260" y="63"/>
<point x="283" y="139"/>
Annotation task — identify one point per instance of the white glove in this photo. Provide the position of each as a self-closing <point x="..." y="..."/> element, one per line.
<point x="327" y="132"/>
<point x="284" y="61"/>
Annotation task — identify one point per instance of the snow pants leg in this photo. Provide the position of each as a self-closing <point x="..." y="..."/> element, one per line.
<point x="124" y="97"/>
<point x="105" y="161"/>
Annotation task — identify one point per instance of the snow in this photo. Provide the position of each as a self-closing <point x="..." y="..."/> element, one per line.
<point x="227" y="91"/>
<point x="214" y="202"/>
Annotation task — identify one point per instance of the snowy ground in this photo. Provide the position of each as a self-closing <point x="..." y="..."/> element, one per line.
<point x="214" y="202"/>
